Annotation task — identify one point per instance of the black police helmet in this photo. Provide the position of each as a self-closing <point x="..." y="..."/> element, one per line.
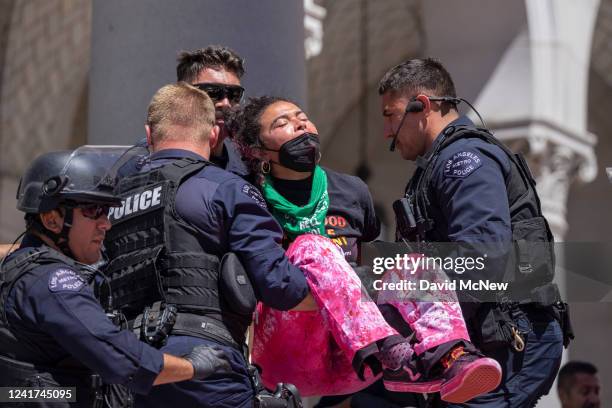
<point x="63" y="177"/>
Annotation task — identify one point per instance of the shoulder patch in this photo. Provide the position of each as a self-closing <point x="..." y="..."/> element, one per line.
<point x="462" y="164"/>
<point x="255" y="195"/>
<point x="64" y="279"/>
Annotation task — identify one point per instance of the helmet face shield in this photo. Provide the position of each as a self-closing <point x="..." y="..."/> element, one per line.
<point x="130" y="161"/>
<point x="87" y="167"/>
<point x="84" y="176"/>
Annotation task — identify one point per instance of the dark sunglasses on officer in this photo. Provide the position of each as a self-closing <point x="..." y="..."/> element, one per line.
<point x="94" y="211"/>
<point x="218" y="92"/>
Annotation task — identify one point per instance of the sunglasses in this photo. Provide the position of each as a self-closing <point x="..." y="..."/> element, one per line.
<point x="94" y="211"/>
<point x="218" y="92"/>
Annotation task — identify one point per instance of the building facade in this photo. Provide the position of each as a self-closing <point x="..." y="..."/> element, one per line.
<point x="539" y="72"/>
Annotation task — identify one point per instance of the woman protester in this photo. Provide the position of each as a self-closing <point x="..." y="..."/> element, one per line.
<point x="314" y="349"/>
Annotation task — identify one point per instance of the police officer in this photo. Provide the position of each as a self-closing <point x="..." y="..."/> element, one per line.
<point x="171" y="238"/>
<point x="469" y="189"/>
<point x="53" y="330"/>
<point x="217" y="70"/>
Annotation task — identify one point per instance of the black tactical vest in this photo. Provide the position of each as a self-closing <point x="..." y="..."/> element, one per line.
<point x="531" y="265"/>
<point x="14" y="371"/>
<point x="156" y="257"/>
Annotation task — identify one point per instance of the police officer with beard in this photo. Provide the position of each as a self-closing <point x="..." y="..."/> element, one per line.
<point x="53" y="330"/>
<point x="170" y="247"/>
<point x="470" y="190"/>
<point x="218" y="70"/>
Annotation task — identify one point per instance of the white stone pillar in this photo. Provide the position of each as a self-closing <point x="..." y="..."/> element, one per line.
<point x="536" y="100"/>
<point x="135" y="45"/>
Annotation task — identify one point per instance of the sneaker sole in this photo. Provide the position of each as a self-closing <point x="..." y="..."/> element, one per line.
<point x="481" y="377"/>
<point x="420" y="388"/>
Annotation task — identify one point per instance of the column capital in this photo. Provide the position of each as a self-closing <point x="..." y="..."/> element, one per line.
<point x="556" y="157"/>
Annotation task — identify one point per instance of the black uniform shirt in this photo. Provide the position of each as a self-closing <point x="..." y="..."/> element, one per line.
<point x="230" y="160"/>
<point x="55" y="314"/>
<point x="231" y="216"/>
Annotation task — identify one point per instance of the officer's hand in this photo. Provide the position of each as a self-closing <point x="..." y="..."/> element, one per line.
<point x="207" y="361"/>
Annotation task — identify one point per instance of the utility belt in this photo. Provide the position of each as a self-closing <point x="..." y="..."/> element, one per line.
<point x="160" y="320"/>
<point x="157" y="322"/>
<point x="495" y="324"/>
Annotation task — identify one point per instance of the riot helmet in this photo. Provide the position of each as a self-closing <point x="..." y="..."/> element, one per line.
<point x="67" y="179"/>
<point x="67" y="176"/>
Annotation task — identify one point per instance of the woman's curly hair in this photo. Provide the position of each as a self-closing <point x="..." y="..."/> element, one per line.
<point x="245" y="126"/>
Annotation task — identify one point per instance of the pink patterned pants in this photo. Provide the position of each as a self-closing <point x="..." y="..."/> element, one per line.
<point x="314" y="349"/>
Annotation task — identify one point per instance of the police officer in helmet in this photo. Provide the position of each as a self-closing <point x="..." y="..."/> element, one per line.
<point x="471" y="191"/>
<point x="53" y="330"/>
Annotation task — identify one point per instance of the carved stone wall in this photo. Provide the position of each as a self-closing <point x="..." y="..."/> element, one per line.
<point x="43" y="88"/>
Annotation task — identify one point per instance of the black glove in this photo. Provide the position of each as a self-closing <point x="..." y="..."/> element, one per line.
<point x="207" y="361"/>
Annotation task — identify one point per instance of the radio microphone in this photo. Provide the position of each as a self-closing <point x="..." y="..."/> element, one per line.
<point x="413" y="106"/>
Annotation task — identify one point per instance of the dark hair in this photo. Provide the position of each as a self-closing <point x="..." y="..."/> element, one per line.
<point x="191" y="63"/>
<point x="566" y="374"/>
<point x="418" y="75"/>
<point x="245" y="125"/>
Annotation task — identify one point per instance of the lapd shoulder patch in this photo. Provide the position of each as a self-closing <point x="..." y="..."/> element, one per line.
<point x="462" y="164"/>
<point x="64" y="279"/>
<point x="255" y="195"/>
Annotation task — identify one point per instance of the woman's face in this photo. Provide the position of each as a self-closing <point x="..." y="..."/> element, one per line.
<point x="280" y="122"/>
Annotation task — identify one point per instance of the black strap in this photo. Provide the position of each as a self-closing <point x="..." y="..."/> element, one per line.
<point x="130" y="298"/>
<point x="193" y="300"/>
<point x="119" y="237"/>
<point x="524" y="260"/>
<point x="204" y="327"/>
<point x="189" y="324"/>
<point x="180" y="281"/>
<point x="181" y="169"/>
<point x="187" y="260"/>
<point x="147" y="255"/>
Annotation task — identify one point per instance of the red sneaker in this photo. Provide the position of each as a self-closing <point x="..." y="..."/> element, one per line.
<point x="467" y="375"/>
<point x="409" y="379"/>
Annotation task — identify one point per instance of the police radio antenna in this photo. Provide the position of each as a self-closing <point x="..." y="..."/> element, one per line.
<point x="11" y="247"/>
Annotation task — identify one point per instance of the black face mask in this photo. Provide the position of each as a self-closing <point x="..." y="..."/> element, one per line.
<point x="300" y="154"/>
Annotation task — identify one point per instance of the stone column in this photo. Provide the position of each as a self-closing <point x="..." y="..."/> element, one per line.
<point x="135" y="45"/>
<point x="536" y="100"/>
<point x="556" y="158"/>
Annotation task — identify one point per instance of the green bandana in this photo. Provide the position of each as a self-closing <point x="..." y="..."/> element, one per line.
<point x="297" y="220"/>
